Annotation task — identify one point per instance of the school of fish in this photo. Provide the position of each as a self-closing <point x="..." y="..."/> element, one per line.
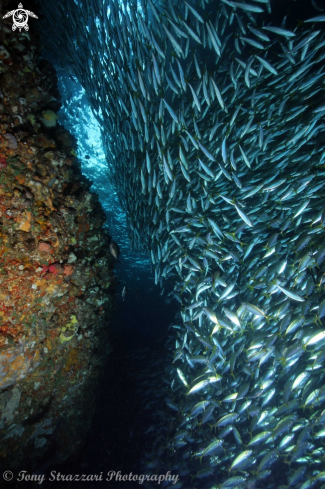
<point x="213" y="126"/>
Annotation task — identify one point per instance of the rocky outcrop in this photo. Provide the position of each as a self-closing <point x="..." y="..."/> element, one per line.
<point x="56" y="273"/>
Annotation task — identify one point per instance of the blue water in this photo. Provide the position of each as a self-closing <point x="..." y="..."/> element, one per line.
<point x="140" y="323"/>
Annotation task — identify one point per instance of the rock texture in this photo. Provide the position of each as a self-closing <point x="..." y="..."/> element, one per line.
<point x="56" y="273"/>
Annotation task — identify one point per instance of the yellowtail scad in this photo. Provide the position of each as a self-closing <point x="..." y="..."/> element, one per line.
<point x="213" y="124"/>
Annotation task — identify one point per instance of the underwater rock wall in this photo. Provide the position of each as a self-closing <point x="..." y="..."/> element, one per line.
<point x="56" y="275"/>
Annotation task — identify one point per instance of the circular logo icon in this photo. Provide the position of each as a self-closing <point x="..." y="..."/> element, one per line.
<point x="20" y="19"/>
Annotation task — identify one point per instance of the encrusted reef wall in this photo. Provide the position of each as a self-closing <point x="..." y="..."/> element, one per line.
<point x="56" y="274"/>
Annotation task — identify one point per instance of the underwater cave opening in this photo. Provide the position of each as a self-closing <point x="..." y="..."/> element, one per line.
<point x="138" y="325"/>
<point x="147" y="310"/>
